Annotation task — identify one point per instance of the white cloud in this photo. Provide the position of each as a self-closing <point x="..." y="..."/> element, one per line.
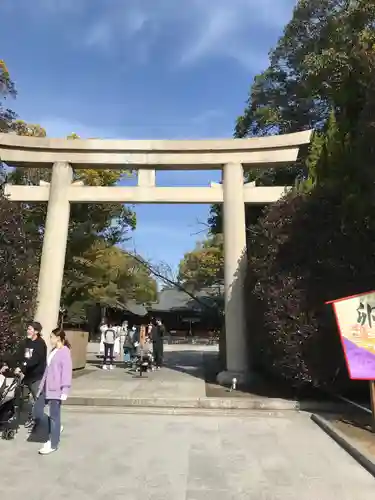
<point x="194" y="127"/>
<point x="115" y="24"/>
<point x="198" y="29"/>
<point x="232" y="28"/>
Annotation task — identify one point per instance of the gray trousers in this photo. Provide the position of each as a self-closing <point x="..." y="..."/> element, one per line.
<point x="33" y="388"/>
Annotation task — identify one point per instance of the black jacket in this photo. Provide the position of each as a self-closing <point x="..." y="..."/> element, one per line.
<point x="32" y="359"/>
<point x="157" y="333"/>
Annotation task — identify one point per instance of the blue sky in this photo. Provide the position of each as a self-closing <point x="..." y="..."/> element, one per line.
<point x="141" y="69"/>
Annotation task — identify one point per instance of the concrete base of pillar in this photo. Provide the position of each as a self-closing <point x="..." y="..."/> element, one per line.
<point x="244" y="379"/>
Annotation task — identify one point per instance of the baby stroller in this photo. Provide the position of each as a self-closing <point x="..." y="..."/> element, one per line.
<point x="129" y="351"/>
<point x="9" y="407"/>
<point x="143" y="360"/>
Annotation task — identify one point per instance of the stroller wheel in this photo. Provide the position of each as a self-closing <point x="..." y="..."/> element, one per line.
<point x="8" y="434"/>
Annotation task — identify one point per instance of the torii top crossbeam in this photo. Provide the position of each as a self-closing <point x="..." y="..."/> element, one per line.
<point x="186" y="154"/>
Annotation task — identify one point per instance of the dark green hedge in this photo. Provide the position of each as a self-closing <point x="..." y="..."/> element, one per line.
<point x="307" y="249"/>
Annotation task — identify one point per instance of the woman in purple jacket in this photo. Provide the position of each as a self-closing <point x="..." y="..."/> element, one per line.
<point x="54" y="388"/>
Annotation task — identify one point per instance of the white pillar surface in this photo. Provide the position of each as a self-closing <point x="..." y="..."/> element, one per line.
<point x="146" y="177"/>
<point x="234" y="274"/>
<point x="54" y="249"/>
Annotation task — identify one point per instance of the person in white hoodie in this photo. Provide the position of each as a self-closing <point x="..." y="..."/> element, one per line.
<point x="110" y="334"/>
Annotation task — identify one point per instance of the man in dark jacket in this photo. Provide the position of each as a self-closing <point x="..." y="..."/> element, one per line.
<point x="157" y="335"/>
<point x="31" y="361"/>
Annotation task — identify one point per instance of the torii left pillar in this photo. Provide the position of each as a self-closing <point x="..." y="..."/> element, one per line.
<point x="54" y="249"/>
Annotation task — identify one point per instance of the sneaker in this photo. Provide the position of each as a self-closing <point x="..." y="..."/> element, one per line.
<point x="105" y="367"/>
<point x="47" y="449"/>
<point x="111" y="367"/>
<point x="29" y="424"/>
<point x="33" y="427"/>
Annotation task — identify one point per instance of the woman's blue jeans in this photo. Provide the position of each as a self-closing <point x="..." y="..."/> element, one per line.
<point x="54" y="419"/>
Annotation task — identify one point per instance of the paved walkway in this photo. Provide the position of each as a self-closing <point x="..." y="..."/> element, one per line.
<point x="182" y="376"/>
<point x="180" y="384"/>
<point x="106" y="455"/>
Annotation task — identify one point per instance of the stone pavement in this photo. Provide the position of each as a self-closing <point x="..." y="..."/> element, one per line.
<point x="111" y="455"/>
<point x="180" y="384"/>
<point x="183" y="374"/>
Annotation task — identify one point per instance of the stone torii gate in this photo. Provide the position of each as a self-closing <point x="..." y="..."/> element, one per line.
<point x="231" y="156"/>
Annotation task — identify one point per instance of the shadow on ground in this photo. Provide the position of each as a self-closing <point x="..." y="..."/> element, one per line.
<point x="40" y="435"/>
<point x="191" y="362"/>
<point x="205" y="365"/>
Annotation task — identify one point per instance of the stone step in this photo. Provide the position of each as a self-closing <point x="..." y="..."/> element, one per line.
<point x="207" y="412"/>
<point x="259" y="404"/>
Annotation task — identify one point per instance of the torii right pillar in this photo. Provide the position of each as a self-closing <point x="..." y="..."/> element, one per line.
<point x="235" y="264"/>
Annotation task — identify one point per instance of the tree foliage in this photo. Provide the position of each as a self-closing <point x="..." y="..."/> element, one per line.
<point x="307" y="249"/>
<point x="109" y="276"/>
<point x="18" y="275"/>
<point x="7" y="89"/>
<point x="317" y="243"/>
<point x="204" y="266"/>
<point x="90" y="225"/>
<point x="20" y="127"/>
<point x="18" y="250"/>
<point x="321" y="62"/>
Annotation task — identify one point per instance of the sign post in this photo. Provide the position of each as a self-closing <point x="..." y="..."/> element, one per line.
<point x="355" y="317"/>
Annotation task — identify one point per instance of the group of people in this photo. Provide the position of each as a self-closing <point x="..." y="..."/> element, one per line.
<point x="152" y="345"/>
<point x="47" y="375"/>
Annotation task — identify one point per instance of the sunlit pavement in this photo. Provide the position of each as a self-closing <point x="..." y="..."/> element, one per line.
<point x="104" y="455"/>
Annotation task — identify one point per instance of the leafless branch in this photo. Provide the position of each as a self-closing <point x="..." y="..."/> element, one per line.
<point x="153" y="270"/>
<point x="198" y="232"/>
<point x="200" y="223"/>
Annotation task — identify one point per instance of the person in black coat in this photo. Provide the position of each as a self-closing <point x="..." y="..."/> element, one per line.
<point x="157" y="335"/>
<point x="30" y="361"/>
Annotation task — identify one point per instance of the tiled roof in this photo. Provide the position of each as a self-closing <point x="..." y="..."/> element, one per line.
<point x="172" y="299"/>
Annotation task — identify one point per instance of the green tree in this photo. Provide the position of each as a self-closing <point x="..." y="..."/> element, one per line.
<point x="322" y="66"/>
<point x="7" y="89"/>
<point x="109" y="276"/>
<point x="20" y="127"/>
<point x="204" y="266"/>
<point x="323" y="62"/>
<point x="18" y="275"/>
<point x="89" y="222"/>
<point x="315" y="245"/>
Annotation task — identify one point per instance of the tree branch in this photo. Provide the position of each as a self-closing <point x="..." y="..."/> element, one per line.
<point x="171" y="282"/>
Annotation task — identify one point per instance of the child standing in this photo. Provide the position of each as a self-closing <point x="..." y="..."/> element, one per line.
<point x="54" y="388"/>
